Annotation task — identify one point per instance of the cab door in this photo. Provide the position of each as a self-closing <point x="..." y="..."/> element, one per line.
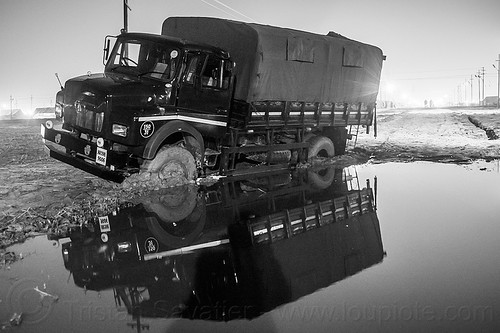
<point x="205" y="86"/>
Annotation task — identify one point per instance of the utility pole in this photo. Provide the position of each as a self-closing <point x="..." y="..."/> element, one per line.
<point x="11" y="100"/>
<point x="465" y="92"/>
<point x="126" y="8"/>
<point x="471" y="97"/>
<point x="482" y="77"/>
<point x="459" y="95"/>
<point x="478" y="75"/>
<point x="498" y="81"/>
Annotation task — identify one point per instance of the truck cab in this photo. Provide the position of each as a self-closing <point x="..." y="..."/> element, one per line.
<point x="114" y="121"/>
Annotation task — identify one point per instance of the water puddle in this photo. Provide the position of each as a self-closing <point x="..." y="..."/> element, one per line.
<point x="389" y="246"/>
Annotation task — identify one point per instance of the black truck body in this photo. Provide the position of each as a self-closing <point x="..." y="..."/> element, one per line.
<point x="224" y="91"/>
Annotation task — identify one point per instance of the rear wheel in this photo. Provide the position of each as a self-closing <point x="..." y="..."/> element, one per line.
<point x="321" y="178"/>
<point x="320" y="146"/>
<point x="172" y="162"/>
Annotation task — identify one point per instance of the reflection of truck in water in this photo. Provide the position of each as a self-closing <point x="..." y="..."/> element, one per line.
<point x="208" y="93"/>
<point x="248" y="245"/>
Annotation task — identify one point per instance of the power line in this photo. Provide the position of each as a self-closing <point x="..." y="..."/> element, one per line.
<point x="440" y="70"/>
<point x="234" y="10"/>
<point x="430" y="78"/>
<point x="222" y="10"/>
<point x="458" y="76"/>
<point x="225" y="11"/>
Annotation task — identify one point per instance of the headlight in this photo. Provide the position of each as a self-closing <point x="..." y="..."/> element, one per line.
<point x="100" y="142"/>
<point x="59" y="104"/>
<point x="59" y="110"/>
<point x="124" y="247"/>
<point x="120" y="130"/>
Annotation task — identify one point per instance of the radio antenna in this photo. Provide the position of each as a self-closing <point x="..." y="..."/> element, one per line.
<point x="57" y="76"/>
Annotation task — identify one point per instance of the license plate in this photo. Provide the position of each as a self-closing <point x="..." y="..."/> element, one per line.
<point x="104" y="224"/>
<point x="101" y="156"/>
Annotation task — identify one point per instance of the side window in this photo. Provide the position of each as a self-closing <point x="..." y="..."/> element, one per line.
<point x="210" y="73"/>
<point x="193" y="62"/>
<point x="227" y="67"/>
<point x="216" y="73"/>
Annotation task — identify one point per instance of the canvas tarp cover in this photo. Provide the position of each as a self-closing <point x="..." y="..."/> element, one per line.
<point x="277" y="64"/>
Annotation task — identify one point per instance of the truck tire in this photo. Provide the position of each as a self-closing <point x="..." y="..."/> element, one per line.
<point x="320" y="146"/>
<point x="184" y="232"/>
<point x="172" y="204"/>
<point x="321" y="178"/>
<point x="172" y="162"/>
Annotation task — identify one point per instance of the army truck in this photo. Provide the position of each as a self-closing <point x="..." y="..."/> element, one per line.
<point x="208" y="94"/>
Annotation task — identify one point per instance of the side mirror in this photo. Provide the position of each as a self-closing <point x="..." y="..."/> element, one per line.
<point x="107" y="48"/>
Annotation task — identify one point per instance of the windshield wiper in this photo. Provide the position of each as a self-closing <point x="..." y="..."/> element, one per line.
<point x="112" y="69"/>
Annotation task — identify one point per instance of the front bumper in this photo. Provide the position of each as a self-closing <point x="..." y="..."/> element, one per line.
<point x="85" y="155"/>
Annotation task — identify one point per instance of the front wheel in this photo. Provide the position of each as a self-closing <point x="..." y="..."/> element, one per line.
<point x="172" y="162"/>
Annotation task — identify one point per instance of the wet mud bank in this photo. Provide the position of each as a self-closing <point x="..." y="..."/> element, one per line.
<point x="490" y="132"/>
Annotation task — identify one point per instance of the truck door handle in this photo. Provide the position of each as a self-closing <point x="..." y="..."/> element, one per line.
<point x="221" y="110"/>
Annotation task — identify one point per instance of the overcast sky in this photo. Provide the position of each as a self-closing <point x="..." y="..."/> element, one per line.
<point x="432" y="46"/>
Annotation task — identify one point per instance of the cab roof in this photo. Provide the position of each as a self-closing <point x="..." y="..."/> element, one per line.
<point x="177" y="42"/>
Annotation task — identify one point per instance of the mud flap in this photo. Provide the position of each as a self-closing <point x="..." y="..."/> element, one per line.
<point x="338" y="135"/>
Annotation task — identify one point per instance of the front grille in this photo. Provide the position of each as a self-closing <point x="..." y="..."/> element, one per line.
<point x="99" y="119"/>
<point x="87" y="118"/>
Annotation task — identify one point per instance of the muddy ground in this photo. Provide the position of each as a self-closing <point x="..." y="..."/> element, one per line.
<point x="443" y="135"/>
<point x="42" y="195"/>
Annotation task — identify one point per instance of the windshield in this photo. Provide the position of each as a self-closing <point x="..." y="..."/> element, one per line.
<point x="144" y="58"/>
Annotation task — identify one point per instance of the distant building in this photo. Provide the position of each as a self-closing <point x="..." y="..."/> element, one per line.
<point x="11" y="114"/>
<point x="385" y="104"/>
<point x="490" y="101"/>
<point x="45" y="113"/>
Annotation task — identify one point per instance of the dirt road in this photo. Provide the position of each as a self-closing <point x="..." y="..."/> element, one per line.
<point x="39" y="194"/>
